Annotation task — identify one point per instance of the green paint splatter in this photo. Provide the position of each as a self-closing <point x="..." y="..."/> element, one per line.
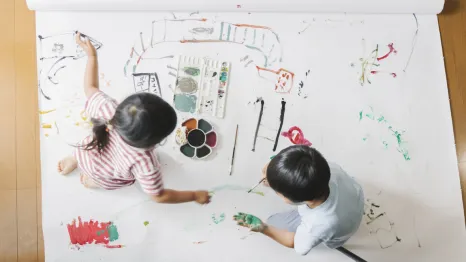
<point x="258" y="193"/>
<point x="112" y="232"/>
<point x="100" y="232"/>
<point x="220" y="219"/>
<point x="192" y="71"/>
<point x="398" y="135"/>
<point x="385" y="144"/>
<point x="146" y="223"/>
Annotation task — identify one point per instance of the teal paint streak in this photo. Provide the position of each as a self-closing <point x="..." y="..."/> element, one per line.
<point x="112" y="232"/>
<point x="228" y="34"/>
<point x="257" y="49"/>
<point x="221" y="31"/>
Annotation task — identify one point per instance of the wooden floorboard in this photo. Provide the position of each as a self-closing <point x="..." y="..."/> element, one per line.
<point x="21" y="236"/>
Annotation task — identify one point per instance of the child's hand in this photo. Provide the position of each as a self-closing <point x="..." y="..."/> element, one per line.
<point x="202" y="197"/>
<point x="249" y="221"/>
<point x="86" y="45"/>
<point x="264" y="175"/>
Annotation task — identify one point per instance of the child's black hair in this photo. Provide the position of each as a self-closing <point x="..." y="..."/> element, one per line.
<point x="142" y="120"/>
<point x="300" y="173"/>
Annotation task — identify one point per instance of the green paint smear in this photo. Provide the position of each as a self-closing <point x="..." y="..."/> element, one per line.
<point x="192" y="71"/>
<point x="234" y="187"/>
<point x="112" y="232"/>
<point x="220" y="219"/>
<point x="398" y="135"/>
<point x="185" y="103"/>
<point x="146" y="223"/>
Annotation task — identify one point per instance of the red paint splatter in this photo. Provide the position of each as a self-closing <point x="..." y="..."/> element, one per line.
<point x="92" y="232"/>
<point x="238" y="6"/>
<point x="296" y="136"/>
<point x="374" y="72"/>
<point x="394" y="75"/>
<point x="392" y="50"/>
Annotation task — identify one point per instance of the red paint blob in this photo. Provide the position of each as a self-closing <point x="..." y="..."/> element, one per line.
<point x="86" y="232"/>
<point x="394" y="75"/>
<point x="296" y="136"/>
<point x="212" y="139"/>
<point x="374" y="72"/>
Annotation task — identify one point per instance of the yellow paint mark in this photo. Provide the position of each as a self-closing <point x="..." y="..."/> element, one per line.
<point x="46" y="135"/>
<point x="77" y="124"/>
<point x="68" y="116"/>
<point x="83" y="116"/>
<point x="46" y="126"/>
<point x="43" y="112"/>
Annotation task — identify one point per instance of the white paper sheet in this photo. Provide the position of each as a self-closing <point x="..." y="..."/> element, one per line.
<point x="351" y="104"/>
<point x="315" y="6"/>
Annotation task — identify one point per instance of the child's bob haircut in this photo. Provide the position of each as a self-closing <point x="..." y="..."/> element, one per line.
<point x="299" y="173"/>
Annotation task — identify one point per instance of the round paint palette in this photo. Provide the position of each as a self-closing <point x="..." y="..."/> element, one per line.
<point x="196" y="138"/>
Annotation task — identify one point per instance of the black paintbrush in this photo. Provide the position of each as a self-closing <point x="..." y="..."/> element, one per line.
<point x="262" y="180"/>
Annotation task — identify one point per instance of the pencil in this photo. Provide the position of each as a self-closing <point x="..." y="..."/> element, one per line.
<point x="234" y="149"/>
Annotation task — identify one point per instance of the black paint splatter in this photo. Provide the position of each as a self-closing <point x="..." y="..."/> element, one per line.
<point x="258" y="123"/>
<point x="214" y="74"/>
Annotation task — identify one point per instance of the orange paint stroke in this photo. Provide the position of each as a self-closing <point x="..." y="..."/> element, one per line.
<point x="253" y="26"/>
<point x="273" y="71"/>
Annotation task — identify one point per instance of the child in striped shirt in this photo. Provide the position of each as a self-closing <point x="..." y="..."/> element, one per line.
<point x="121" y="149"/>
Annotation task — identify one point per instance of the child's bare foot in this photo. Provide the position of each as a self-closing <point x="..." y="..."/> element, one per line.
<point x="87" y="182"/>
<point x="67" y="165"/>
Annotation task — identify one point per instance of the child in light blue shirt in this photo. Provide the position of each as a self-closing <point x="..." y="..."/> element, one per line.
<point x="330" y="202"/>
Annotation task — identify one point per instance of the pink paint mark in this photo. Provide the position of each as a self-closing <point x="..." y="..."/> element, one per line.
<point x="92" y="232"/>
<point x="392" y="50"/>
<point x="114" y="246"/>
<point x="296" y="136"/>
<point x="394" y="75"/>
<point x="238" y="6"/>
<point x="374" y="72"/>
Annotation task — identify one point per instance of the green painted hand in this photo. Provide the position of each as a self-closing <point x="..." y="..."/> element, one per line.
<point x="249" y="221"/>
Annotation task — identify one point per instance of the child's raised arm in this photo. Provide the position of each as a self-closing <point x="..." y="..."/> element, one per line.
<point x="91" y="77"/>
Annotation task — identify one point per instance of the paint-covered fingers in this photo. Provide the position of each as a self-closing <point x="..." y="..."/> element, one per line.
<point x="202" y="197"/>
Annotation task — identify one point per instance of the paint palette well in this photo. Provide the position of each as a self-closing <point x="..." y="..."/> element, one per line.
<point x="196" y="138"/>
<point x="201" y="86"/>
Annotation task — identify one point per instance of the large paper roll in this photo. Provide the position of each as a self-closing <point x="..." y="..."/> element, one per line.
<point x="314" y="6"/>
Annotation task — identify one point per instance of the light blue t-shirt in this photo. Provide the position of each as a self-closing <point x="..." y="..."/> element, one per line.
<point x="334" y="221"/>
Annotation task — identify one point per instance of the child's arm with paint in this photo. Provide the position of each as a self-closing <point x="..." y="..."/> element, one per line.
<point x="252" y="222"/>
<point x="91" y="76"/>
<point x="169" y="196"/>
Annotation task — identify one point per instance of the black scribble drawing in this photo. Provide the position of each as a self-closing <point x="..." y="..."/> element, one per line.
<point x="147" y="82"/>
<point x="54" y="53"/>
<point x="202" y="30"/>
<point x="307" y="26"/>
<point x="244" y="59"/>
<point x="248" y="63"/>
<point x="380" y="225"/>
<point x="413" y="45"/>
<point x="194" y="13"/>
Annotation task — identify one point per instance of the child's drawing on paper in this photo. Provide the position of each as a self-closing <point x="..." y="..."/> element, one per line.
<point x="372" y="64"/>
<point x="133" y="128"/>
<point x="55" y="50"/>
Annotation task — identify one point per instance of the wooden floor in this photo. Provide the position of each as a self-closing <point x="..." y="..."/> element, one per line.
<point x="20" y="191"/>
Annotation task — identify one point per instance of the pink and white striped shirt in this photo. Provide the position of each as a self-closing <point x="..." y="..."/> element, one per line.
<point x="119" y="164"/>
